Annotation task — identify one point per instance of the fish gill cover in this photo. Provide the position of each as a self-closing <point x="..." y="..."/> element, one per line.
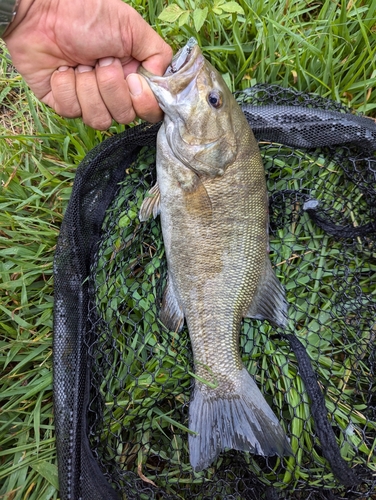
<point x="123" y="382"/>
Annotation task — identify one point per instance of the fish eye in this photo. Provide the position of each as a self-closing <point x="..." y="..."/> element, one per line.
<point x="215" y="98"/>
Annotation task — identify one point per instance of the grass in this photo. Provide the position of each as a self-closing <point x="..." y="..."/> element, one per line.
<point x="323" y="47"/>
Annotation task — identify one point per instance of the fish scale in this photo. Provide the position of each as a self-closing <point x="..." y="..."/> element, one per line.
<point x="212" y="199"/>
<point x="224" y="298"/>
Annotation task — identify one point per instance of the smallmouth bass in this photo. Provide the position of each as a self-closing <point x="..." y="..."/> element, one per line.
<point x="212" y="199"/>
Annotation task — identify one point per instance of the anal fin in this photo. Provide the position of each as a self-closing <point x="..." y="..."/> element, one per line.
<point x="269" y="301"/>
<point x="151" y="204"/>
<point x="171" y="314"/>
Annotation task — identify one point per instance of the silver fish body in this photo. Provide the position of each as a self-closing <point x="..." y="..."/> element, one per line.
<point x="212" y="199"/>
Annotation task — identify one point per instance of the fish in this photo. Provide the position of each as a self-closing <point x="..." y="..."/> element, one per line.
<point x="212" y="200"/>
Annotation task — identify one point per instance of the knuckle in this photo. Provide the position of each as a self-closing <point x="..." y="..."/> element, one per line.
<point x="66" y="104"/>
<point x="109" y="78"/>
<point x="125" y="116"/>
<point x="68" y="111"/>
<point x="65" y="97"/>
<point x="98" y="122"/>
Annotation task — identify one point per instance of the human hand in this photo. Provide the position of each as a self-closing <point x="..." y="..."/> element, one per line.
<point x="80" y="58"/>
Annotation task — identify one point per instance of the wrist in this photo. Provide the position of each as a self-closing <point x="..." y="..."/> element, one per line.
<point x="12" y="13"/>
<point x="8" y="10"/>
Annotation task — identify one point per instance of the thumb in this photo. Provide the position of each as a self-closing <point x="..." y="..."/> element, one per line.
<point x="143" y="100"/>
<point x="147" y="46"/>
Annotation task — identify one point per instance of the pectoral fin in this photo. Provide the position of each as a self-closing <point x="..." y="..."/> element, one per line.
<point x="151" y="204"/>
<point x="171" y="314"/>
<point x="269" y="302"/>
<point x="198" y="202"/>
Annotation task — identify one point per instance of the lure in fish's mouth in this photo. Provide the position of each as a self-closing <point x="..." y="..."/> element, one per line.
<point x="183" y="68"/>
<point x="181" y="58"/>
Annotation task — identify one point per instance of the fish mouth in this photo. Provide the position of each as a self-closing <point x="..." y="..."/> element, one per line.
<point x="183" y="68"/>
<point x="181" y="58"/>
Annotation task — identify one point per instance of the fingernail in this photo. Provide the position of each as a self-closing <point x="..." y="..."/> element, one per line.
<point x="106" y="61"/>
<point x="63" y="68"/>
<point x="84" y="69"/>
<point x="134" y="84"/>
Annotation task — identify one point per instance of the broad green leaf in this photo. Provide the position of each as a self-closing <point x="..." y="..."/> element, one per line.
<point x="232" y="7"/>
<point x="184" y="18"/>
<point x="217" y="7"/>
<point x="199" y="16"/>
<point x="171" y="13"/>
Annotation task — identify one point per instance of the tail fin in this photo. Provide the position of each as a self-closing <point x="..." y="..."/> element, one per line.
<point x="241" y="420"/>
